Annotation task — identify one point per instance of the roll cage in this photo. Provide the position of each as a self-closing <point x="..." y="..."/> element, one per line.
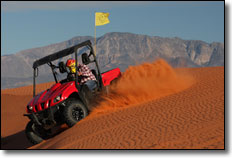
<point x="60" y="54"/>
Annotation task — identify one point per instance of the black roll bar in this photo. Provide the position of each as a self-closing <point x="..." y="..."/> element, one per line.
<point x="76" y="74"/>
<point x="60" y="54"/>
<point x="48" y="59"/>
<point x="98" y="69"/>
<point x="53" y="72"/>
<point x="34" y="75"/>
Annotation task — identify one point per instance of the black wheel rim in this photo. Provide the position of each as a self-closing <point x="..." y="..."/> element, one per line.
<point x="77" y="113"/>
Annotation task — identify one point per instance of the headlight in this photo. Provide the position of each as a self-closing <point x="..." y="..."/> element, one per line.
<point x="29" y="107"/>
<point x="57" y="98"/>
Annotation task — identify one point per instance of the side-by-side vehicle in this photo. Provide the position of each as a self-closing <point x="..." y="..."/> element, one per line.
<point x="66" y="101"/>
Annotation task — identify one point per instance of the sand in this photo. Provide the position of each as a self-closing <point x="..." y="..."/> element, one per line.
<point x="184" y="115"/>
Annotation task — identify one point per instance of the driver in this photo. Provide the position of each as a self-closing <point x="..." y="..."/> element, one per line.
<point x="84" y="74"/>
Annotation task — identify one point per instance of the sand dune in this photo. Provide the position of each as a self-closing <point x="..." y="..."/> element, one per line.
<point x="27" y="90"/>
<point x="191" y="117"/>
<point x="13" y="123"/>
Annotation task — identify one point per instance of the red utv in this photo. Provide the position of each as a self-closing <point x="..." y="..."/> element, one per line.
<point x="66" y="101"/>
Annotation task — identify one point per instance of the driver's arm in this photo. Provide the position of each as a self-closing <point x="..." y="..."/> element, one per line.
<point x="79" y="73"/>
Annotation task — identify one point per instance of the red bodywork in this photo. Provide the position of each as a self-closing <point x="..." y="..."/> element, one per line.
<point x="46" y="98"/>
<point x="108" y="76"/>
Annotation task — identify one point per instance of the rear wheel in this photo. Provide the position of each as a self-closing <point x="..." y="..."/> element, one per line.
<point x="34" y="133"/>
<point x="74" y="111"/>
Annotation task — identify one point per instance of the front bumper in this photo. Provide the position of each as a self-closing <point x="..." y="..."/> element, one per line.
<point x="34" y="118"/>
<point x="45" y="117"/>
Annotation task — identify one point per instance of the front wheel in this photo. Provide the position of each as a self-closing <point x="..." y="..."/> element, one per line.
<point x="34" y="134"/>
<point x="74" y="111"/>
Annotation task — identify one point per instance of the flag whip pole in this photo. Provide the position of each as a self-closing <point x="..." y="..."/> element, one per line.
<point x="95" y="51"/>
<point x="95" y="42"/>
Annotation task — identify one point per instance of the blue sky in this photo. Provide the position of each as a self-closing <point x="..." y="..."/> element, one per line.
<point x="31" y="24"/>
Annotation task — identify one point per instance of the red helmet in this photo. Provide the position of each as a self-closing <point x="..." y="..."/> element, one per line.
<point x="70" y="62"/>
<point x="71" y="65"/>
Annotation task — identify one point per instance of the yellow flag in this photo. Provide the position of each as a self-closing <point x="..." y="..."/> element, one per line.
<point x="101" y="18"/>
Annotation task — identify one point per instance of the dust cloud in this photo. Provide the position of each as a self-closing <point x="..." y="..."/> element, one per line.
<point x="143" y="83"/>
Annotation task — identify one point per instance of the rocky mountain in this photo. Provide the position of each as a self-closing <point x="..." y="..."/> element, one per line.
<point x="115" y="50"/>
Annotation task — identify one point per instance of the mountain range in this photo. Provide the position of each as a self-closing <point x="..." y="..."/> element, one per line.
<point x="115" y="49"/>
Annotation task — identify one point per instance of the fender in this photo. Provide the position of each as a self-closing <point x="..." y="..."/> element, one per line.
<point x="110" y="75"/>
<point x="46" y="98"/>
